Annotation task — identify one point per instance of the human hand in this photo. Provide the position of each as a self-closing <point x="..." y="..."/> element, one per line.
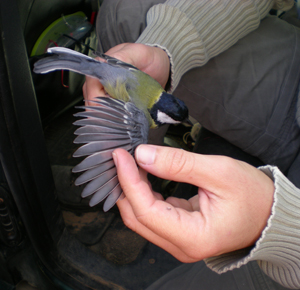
<point x="151" y="60"/>
<point x="229" y="213"/>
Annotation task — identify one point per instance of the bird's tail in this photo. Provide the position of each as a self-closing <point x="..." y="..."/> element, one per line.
<point x="62" y="58"/>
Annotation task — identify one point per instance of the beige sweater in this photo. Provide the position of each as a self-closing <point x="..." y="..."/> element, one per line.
<point x="207" y="28"/>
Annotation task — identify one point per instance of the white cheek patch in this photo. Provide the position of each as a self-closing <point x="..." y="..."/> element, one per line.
<point x="165" y="119"/>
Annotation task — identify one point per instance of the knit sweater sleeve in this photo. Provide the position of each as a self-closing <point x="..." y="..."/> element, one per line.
<point x="192" y="32"/>
<point x="277" y="251"/>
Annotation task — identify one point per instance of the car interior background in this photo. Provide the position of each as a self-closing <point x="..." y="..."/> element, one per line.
<point x="49" y="236"/>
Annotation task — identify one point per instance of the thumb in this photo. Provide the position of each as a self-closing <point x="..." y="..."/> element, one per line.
<point x="169" y="163"/>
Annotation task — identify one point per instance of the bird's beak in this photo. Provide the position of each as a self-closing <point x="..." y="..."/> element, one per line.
<point x="187" y="121"/>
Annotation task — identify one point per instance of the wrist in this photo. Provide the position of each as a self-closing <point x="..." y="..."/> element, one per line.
<point x="164" y="60"/>
<point x="276" y="251"/>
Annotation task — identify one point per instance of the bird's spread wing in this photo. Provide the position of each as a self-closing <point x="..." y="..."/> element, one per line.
<point x="109" y="125"/>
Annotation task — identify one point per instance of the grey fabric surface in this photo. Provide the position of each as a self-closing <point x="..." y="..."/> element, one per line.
<point x="120" y="21"/>
<point x="198" y="276"/>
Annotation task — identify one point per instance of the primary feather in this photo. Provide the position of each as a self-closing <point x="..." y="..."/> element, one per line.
<point x="113" y="124"/>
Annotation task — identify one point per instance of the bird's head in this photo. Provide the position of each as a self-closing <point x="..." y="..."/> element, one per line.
<point x="169" y="110"/>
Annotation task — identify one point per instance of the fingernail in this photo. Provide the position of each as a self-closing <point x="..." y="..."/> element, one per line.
<point x="145" y="154"/>
<point x="115" y="158"/>
<point x="122" y="196"/>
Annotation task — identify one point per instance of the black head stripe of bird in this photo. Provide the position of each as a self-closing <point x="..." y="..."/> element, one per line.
<point x="137" y="103"/>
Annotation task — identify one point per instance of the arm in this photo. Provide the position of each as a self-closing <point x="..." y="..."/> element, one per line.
<point x="189" y="33"/>
<point x="284" y="189"/>
<point x="192" y="32"/>
<point x="277" y="250"/>
<point x="234" y="218"/>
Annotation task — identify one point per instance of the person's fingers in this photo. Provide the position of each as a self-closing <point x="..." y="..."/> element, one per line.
<point x="122" y="53"/>
<point x="128" y="214"/>
<point x="211" y="172"/>
<point x="159" y="217"/>
<point x="177" y="164"/>
<point x="134" y="181"/>
<point x="189" y="205"/>
<point x="91" y="89"/>
<point x="131" y="222"/>
<point x="149" y="59"/>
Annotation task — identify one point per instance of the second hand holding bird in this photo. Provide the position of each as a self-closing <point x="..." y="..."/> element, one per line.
<point x="152" y="60"/>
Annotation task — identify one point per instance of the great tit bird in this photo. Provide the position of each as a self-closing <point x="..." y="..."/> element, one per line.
<point x="136" y="103"/>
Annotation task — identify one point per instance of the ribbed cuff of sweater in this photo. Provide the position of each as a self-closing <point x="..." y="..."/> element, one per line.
<point x="278" y="249"/>
<point x="186" y="36"/>
<point x="283" y="5"/>
<point x="185" y="30"/>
